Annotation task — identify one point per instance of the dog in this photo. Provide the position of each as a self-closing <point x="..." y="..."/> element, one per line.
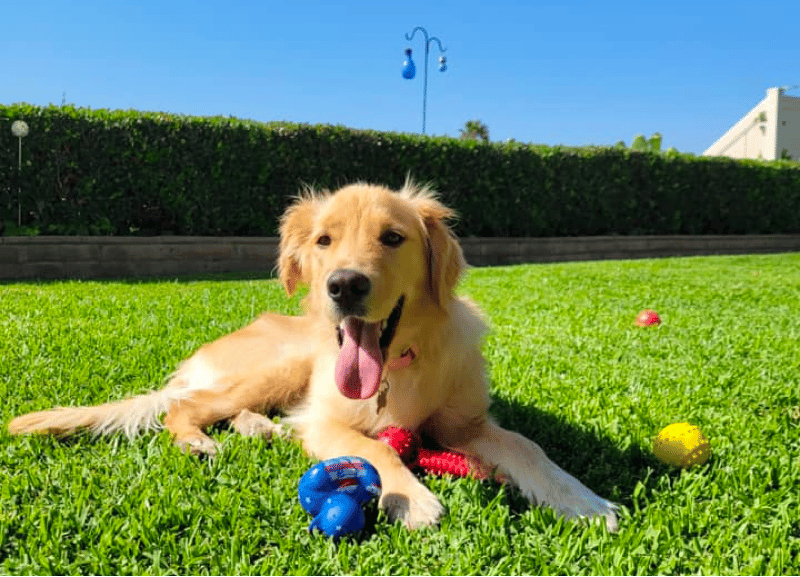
<point x="383" y="341"/>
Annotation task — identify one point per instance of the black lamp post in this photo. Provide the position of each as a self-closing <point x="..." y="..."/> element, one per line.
<point x="409" y="70"/>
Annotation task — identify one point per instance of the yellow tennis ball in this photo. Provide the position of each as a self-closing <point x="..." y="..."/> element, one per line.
<point x="682" y="445"/>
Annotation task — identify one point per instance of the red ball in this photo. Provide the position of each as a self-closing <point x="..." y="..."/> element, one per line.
<point x="405" y="442"/>
<point x="648" y="318"/>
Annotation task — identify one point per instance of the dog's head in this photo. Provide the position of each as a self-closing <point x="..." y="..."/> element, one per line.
<point x="375" y="261"/>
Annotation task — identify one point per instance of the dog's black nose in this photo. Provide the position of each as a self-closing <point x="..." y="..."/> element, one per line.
<point x="347" y="288"/>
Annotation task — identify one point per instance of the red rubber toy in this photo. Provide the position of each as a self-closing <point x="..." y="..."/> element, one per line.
<point x="435" y="461"/>
<point x="647" y="318"/>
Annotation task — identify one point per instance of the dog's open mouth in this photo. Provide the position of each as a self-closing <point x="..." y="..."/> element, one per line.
<point x="363" y="348"/>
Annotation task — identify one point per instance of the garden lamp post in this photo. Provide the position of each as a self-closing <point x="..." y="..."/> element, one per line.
<point x="19" y="129"/>
<point x="409" y="70"/>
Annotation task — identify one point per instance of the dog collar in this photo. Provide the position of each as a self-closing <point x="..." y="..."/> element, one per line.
<point x="405" y="359"/>
<point x="401" y="362"/>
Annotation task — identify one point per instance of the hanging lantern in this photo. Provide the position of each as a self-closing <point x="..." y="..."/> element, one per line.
<point x="409" y="70"/>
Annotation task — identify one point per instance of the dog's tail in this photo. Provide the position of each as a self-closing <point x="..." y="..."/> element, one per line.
<point x="130" y="416"/>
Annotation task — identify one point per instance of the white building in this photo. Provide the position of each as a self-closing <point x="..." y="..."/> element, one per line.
<point x="771" y="127"/>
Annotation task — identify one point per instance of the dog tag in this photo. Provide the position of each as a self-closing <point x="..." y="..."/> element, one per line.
<point x="384" y="392"/>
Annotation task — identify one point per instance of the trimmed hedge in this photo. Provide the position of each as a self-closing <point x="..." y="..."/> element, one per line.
<point x="103" y="172"/>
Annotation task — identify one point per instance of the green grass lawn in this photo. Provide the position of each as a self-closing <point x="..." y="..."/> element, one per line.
<point x="568" y="369"/>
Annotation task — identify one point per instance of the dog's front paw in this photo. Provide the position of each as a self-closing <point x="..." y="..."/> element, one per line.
<point x="412" y="503"/>
<point x="571" y="498"/>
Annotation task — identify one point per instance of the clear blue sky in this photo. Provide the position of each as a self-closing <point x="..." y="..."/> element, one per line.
<point x="571" y="72"/>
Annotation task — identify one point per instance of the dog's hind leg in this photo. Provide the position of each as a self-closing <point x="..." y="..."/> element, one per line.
<point x="187" y="429"/>
<point x="186" y="420"/>
<point x="250" y="424"/>
<point x="234" y="397"/>
<point x="188" y="417"/>
<point x="263" y="367"/>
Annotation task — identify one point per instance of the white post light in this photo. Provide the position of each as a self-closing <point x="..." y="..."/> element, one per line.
<point x="19" y="129"/>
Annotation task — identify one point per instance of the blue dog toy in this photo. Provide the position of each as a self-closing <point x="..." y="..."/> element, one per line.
<point x="334" y="491"/>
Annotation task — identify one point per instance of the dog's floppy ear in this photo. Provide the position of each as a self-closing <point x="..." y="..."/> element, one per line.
<point x="295" y="231"/>
<point x="445" y="257"/>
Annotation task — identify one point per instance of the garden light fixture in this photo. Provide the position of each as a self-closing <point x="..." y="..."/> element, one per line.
<point x="19" y="129"/>
<point x="410" y="70"/>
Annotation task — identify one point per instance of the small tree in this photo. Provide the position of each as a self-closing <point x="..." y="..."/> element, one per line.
<point x="639" y="143"/>
<point x="642" y="144"/>
<point x="655" y="142"/>
<point x="475" y="130"/>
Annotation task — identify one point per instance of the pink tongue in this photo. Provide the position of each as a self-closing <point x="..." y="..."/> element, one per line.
<point x="360" y="361"/>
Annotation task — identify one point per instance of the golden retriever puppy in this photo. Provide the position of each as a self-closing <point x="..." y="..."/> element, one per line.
<point x="384" y="341"/>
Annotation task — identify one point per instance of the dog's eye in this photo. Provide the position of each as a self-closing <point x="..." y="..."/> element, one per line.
<point x="324" y="240"/>
<point x="392" y="239"/>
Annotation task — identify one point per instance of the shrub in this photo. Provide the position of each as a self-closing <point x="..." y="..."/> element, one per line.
<point x="126" y="172"/>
